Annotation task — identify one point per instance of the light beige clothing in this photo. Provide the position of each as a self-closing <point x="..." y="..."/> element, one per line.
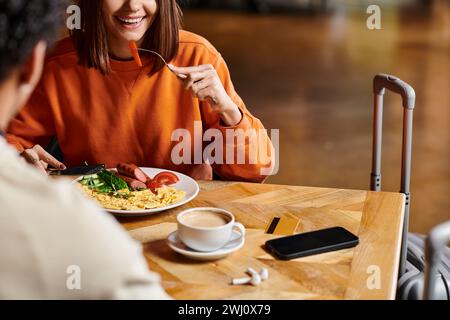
<point x="49" y="231"/>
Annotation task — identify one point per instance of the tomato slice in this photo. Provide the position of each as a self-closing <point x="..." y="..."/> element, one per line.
<point x="166" y="178"/>
<point x="153" y="185"/>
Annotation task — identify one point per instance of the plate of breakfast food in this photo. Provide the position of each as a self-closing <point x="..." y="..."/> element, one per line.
<point x="129" y="190"/>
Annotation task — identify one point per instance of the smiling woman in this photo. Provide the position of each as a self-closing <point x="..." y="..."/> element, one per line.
<point x="103" y="108"/>
<point x="109" y="25"/>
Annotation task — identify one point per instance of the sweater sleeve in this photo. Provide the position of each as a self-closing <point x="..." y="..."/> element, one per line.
<point x="247" y="150"/>
<point x="34" y="123"/>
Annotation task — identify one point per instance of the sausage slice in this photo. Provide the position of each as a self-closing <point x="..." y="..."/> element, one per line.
<point x="132" y="171"/>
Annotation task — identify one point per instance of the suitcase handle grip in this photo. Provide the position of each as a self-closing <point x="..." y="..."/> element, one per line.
<point x="394" y="84"/>
<point x="381" y="82"/>
<point x="437" y="240"/>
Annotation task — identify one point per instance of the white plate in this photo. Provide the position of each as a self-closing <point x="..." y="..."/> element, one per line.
<point x="236" y="242"/>
<point x="187" y="184"/>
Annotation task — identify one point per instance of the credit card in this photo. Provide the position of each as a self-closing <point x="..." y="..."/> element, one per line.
<point x="282" y="226"/>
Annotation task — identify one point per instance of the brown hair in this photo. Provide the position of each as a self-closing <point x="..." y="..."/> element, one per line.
<point x="91" y="41"/>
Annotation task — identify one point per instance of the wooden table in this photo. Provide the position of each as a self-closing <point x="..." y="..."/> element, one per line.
<point x="375" y="217"/>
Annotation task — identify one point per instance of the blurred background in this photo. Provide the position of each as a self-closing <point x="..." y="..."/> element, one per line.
<point x="306" y="67"/>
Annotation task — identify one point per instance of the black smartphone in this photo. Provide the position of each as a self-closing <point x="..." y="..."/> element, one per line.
<point x="310" y="243"/>
<point x="78" y="171"/>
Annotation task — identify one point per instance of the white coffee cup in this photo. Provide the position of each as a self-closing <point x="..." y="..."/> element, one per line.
<point x="195" y="231"/>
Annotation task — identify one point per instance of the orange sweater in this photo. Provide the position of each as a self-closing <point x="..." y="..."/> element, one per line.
<point x="127" y="116"/>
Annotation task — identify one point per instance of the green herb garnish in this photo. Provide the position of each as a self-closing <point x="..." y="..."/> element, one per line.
<point x="112" y="180"/>
<point x="104" y="182"/>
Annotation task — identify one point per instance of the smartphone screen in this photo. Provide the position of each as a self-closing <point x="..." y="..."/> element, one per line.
<point x="309" y="243"/>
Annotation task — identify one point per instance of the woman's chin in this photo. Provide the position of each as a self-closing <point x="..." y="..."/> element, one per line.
<point x="132" y="36"/>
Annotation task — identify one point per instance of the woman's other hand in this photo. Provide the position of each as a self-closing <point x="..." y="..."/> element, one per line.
<point x="41" y="159"/>
<point x="205" y="84"/>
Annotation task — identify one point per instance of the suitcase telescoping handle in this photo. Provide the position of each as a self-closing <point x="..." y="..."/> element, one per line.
<point x="381" y="82"/>
<point x="437" y="241"/>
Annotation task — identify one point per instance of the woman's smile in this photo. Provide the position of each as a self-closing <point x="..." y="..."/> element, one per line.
<point x="130" y="22"/>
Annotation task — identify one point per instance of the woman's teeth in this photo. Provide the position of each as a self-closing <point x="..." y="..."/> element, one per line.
<point x="130" y="21"/>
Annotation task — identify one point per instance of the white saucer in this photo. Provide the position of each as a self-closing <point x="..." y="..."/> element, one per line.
<point x="236" y="242"/>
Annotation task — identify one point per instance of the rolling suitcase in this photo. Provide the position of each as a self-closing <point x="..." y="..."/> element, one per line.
<point x="427" y="266"/>
<point x="424" y="270"/>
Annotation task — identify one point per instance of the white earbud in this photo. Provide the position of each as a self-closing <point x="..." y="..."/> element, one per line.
<point x="255" y="278"/>
<point x="263" y="274"/>
<point x="238" y="281"/>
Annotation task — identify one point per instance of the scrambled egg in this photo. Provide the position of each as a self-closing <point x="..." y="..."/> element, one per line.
<point x="136" y="200"/>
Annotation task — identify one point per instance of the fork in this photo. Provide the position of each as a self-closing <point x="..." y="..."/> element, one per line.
<point x="135" y="49"/>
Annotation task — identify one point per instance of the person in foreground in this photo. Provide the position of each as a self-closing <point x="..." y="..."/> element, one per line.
<point x="54" y="244"/>
<point x="104" y="108"/>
